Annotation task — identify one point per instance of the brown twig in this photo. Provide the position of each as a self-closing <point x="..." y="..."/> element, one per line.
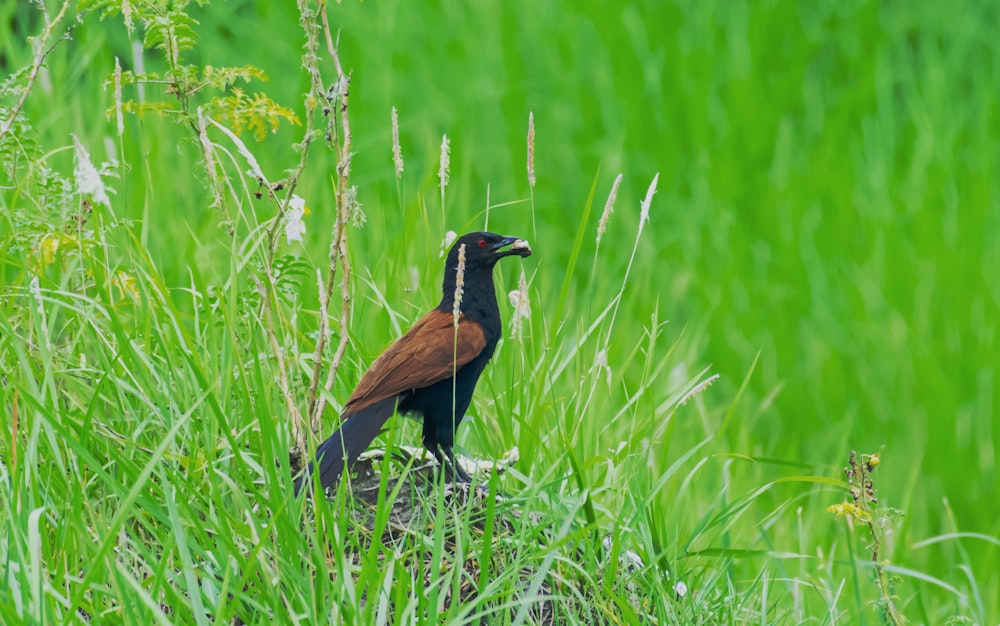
<point x="311" y="63"/>
<point x="341" y="143"/>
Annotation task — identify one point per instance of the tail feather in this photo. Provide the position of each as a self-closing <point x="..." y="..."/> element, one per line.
<point x="346" y="444"/>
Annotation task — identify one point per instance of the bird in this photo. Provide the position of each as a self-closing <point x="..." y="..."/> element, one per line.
<point x="432" y="370"/>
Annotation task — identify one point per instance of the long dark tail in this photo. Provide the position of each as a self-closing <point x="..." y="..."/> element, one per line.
<point x="346" y="444"/>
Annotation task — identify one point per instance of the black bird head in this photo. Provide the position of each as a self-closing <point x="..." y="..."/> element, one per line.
<point x="483" y="250"/>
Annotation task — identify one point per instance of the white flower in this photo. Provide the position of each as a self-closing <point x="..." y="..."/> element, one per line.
<point x="680" y="588"/>
<point x="297" y="202"/>
<point x="88" y="181"/>
<point x="295" y="227"/>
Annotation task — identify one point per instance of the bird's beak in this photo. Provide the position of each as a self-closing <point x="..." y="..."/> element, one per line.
<point x="519" y="247"/>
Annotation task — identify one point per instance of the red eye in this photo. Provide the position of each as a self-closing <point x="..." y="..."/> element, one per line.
<point x="482" y="243"/>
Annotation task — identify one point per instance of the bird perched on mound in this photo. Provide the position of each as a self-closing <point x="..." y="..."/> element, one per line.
<point x="432" y="370"/>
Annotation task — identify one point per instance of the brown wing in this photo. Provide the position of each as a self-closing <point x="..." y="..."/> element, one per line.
<point x="430" y="352"/>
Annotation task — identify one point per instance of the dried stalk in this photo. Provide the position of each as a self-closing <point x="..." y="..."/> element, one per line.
<point x="338" y="249"/>
<point x="41" y="52"/>
<point x="310" y="62"/>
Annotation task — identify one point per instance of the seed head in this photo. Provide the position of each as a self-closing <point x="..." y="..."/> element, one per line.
<point x="531" y="149"/>
<point x="459" y="285"/>
<point x="445" y="169"/>
<point x="644" y="210"/>
<point x="397" y="153"/>
<point x="521" y="303"/>
<point x="609" y="206"/>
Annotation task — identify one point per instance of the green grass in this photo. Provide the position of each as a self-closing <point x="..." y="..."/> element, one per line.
<point x="825" y="237"/>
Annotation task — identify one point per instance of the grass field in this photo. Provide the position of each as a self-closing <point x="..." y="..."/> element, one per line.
<point x="824" y="236"/>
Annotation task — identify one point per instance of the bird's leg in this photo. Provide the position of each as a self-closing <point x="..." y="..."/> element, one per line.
<point x="436" y="451"/>
<point x="450" y="465"/>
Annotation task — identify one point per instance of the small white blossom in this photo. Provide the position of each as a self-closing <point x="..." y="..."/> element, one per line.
<point x="88" y="181"/>
<point x="295" y="227"/>
<point x="680" y="588"/>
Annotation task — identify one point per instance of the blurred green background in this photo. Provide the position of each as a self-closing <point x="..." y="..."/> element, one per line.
<point x="829" y="193"/>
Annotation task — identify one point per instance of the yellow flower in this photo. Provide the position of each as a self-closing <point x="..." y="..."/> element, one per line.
<point x="48" y="248"/>
<point x="846" y="508"/>
<point x="125" y="283"/>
